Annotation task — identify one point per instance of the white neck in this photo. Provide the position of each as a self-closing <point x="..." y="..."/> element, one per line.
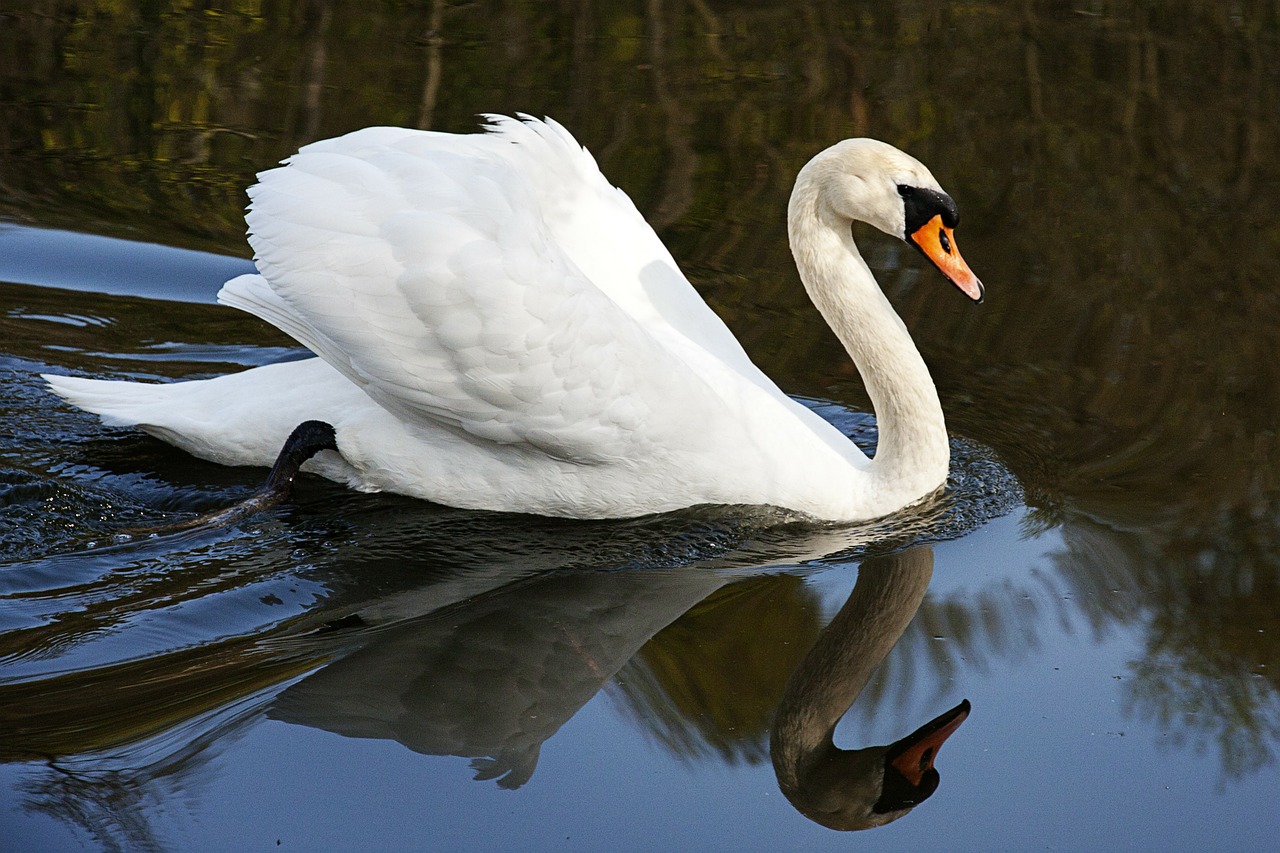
<point x="912" y="454"/>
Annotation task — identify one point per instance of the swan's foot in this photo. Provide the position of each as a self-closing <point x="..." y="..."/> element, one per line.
<point x="307" y="439"/>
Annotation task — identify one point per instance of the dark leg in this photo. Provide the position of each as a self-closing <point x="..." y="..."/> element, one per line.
<point x="308" y="439"/>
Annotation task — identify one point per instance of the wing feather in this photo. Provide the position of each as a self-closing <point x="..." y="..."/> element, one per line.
<point x="432" y="271"/>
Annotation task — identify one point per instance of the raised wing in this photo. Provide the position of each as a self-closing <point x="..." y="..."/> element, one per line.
<point x="601" y="231"/>
<point x="424" y="267"/>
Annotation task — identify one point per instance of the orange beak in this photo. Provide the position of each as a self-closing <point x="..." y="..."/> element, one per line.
<point x="938" y="243"/>
<point x="916" y="752"/>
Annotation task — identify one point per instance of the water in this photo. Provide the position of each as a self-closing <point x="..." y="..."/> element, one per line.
<point x="356" y="671"/>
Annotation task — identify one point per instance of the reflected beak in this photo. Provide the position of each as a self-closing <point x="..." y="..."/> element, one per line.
<point x="913" y="756"/>
<point x="938" y="243"/>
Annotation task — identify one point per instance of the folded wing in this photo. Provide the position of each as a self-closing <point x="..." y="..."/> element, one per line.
<point x="433" y="271"/>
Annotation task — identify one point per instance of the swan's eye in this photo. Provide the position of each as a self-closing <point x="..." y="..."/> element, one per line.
<point x="942" y="238"/>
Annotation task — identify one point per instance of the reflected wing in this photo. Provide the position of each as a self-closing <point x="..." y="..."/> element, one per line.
<point x="422" y="266"/>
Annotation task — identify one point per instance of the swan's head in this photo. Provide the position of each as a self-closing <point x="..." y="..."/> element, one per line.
<point x="873" y="182"/>
<point x="866" y="788"/>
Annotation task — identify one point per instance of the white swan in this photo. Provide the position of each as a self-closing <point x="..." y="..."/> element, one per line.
<point x="498" y="328"/>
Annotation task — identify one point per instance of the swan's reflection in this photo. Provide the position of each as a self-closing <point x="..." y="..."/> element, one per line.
<point x="494" y="677"/>
<point x="861" y="788"/>
<point x="488" y="662"/>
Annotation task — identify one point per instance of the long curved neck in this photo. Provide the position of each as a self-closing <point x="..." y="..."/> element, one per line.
<point x="827" y="682"/>
<point x="912" y="454"/>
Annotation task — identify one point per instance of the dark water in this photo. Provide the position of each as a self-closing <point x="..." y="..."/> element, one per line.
<point x="1101" y="580"/>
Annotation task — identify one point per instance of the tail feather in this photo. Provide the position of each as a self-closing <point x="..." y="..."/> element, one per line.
<point x="238" y="419"/>
<point x="163" y="410"/>
<point x="116" y="403"/>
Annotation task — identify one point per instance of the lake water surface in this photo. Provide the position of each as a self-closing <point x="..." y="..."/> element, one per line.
<point x="1100" y="581"/>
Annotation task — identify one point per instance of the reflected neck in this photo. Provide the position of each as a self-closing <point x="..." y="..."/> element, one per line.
<point x="835" y="671"/>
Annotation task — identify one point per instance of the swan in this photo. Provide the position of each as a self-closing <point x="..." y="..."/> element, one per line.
<point x="869" y="787"/>
<point x="497" y="327"/>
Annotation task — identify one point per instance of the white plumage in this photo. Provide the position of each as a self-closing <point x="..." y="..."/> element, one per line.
<point x="498" y="328"/>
